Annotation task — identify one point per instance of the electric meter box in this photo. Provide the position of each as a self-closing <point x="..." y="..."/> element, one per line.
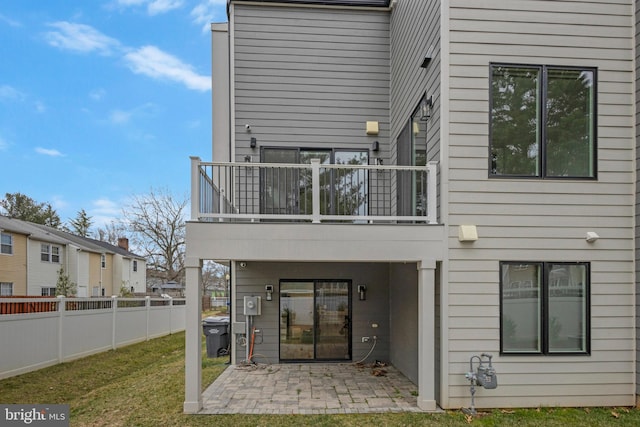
<point x="252" y="306"/>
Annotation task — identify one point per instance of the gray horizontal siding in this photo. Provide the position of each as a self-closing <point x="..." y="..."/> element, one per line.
<point x="310" y="77"/>
<point x="637" y="205"/>
<point x="252" y="279"/>
<point x="541" y="220"/>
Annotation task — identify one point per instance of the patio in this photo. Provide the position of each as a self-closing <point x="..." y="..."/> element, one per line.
<point x="312" y="388"/>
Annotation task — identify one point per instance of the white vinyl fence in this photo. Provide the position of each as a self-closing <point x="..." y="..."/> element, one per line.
<point x="78" y="327"/>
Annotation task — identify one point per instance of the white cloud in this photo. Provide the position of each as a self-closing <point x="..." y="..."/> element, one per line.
<point x="80" y="38"/>
<point x="157" y="7"/>
<point x="120" y="117"/>
<point x="3" y="144"/>
<point x="153" y="62"/>
<point x="10" y="93"/>
<point x="97" y="94"/>
<point x="103" y="211"/>
<point x="58" y="203"/>
<point x="49" y="152"/>
<point x="154" y="7"/>
<point x="10" y="22"/>
<point x="40" y="107"/>
<point x="127" y="3"/>
<point x="207" y="12"/>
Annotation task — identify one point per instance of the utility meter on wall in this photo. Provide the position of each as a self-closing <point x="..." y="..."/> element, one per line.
<point x="252" y="306"/>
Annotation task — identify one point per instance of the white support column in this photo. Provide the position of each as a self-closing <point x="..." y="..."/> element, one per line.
<point x="315" y="190"/>
<point x="195" y="187"/>
<point x="193" y="338"/>
<point x="426" y="335"/>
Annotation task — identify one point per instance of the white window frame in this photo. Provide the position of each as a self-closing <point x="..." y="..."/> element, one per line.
<point x="6" y="289"/>
<point x="135" y="265"/>
<point x="4" y="245"/>
<point x="45" y="252"/>
<point x="49" y="253"/>
<point x="48" y="291"/>
<point x="103" y="261"/>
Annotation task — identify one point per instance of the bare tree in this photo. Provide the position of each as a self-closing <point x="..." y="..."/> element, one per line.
<point x="214" y="277"/>
<point x="112" y="232"/>
<point x="157" y="225"/>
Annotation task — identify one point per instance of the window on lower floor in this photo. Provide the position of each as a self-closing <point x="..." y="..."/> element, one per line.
<point x="544" y="308"/>
<point x="6" y="244"/>
<point x="6" y="289"/>
<point x="542" y="121"/>
<point x="48" y="292"/>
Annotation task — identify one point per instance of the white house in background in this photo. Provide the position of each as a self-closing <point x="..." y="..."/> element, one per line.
<point x="33" y="254"/>
<point x="103" y="268"/>
<point x="453" y="177"/>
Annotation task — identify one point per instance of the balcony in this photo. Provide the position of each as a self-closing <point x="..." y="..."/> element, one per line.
<point x="314" y="193"/>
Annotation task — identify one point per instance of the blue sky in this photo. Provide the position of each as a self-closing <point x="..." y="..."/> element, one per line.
<point x="103" y="100"/>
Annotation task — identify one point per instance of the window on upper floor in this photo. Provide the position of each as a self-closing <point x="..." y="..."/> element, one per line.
<point x="6" y="244"/>
<point x="544" y="308"/>
<point x="135" y="265"/>
<point x="542" y="121"/>
<point x="55" y="254"/>
<point x="48" y="291"/>
<point x="6" y="289"/>
<point x="103" y="261"/>
<point x="49" y="253"/>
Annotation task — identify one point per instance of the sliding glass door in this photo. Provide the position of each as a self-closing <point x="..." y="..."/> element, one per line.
<point x="315" y="320"/>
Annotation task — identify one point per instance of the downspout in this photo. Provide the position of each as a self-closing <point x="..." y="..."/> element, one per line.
<point x="26" y="284"/>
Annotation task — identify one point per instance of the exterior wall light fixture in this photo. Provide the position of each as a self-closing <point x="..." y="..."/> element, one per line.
<point x="269" y="290"/>
<point x="362" y="292"/>
<point x="592" y="236"/>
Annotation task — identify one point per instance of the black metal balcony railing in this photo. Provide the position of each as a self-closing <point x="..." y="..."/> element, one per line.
<point x="313" y="192"/>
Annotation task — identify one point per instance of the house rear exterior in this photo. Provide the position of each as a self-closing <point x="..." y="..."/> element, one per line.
<point x="473" y="192"/>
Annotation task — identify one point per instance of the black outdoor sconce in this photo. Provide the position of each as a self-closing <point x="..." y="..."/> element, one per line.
<point x="362" y="292"/>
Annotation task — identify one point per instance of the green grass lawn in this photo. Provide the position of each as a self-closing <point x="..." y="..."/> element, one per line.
<point x="143" y="385"/>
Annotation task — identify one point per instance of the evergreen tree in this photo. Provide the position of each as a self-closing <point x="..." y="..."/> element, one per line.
<point x="65" y="286"/>
<point x="20" y="206"/>
<point x="81" y="224"/>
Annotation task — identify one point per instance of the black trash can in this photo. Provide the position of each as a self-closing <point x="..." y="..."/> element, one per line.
<point x="216" y="331"/>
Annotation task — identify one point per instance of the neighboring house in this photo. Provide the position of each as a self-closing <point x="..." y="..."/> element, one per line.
<point x="474" y="193"/>
<point x="13" y="260"/>
<point x="31" y="265"/>
<point x="33" y="254"/>
<point x="170" y="288"/>
<point x="103" y="268"/>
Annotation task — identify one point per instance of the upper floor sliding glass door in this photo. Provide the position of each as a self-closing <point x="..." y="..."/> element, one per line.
<point x="343" y="191"/>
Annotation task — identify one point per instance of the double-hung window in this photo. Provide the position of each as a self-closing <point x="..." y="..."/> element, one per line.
<point x="542" y="121"/>
<point x="6" y="244"/>
<point x="49" y="253"/>
<point x="544" y="308"/>
<point x="6" y="289"/>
